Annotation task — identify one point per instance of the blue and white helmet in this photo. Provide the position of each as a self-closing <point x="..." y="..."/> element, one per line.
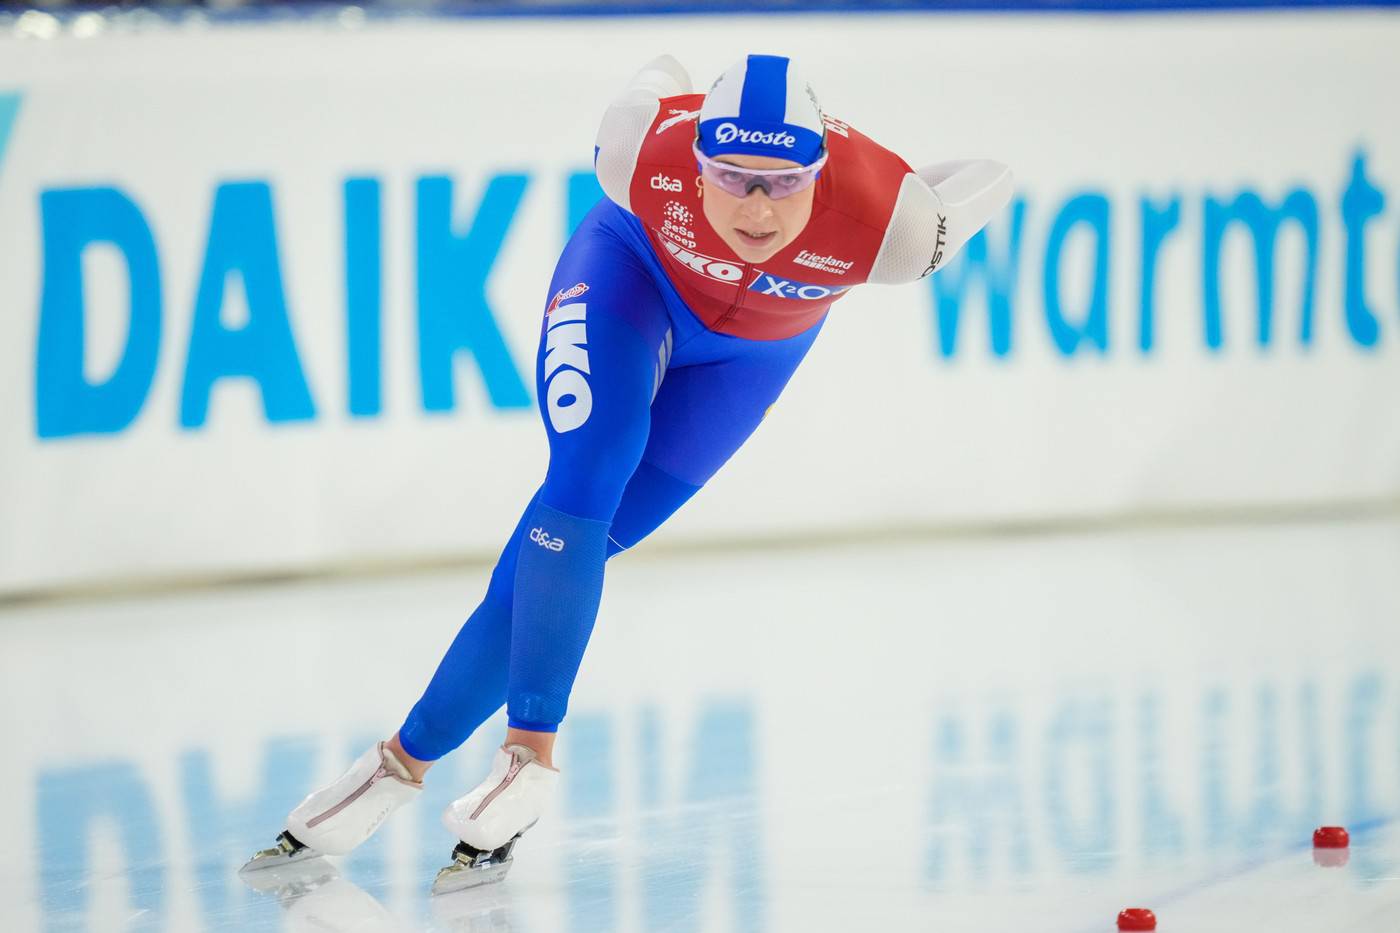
<point x="762" y="106"/>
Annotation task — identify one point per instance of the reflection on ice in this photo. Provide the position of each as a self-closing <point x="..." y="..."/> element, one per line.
<point x="1096" y="783"/>
<point x="938" y="735"/>
<point x="697" y="827"/>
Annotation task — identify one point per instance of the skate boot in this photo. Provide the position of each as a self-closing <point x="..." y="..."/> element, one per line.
<point x="340" y="816"/>
<point x="492" y="818"/>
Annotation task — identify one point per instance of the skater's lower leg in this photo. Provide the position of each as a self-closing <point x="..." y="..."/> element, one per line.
<point x="415" y="766"/>
<point x="541" y="743"/>
<point x="557" y="590"/>
<point x="476" y="665"/>
<point x="469" y="685"/>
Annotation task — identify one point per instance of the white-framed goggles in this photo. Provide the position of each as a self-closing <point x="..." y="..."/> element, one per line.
<point x="740" y="182"/>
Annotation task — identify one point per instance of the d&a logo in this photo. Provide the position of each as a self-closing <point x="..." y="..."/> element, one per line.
<point x="546" y="540"/>
<point x="568" y="399"/>
<point x="661" y="182"/>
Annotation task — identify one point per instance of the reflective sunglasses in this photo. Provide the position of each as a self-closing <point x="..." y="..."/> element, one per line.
<point x="775" y="182"/>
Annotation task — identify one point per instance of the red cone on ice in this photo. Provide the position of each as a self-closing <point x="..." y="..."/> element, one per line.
<point x="1137" y="918"/>
<point x="1331" y="837"/>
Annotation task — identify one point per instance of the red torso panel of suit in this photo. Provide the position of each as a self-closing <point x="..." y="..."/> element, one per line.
<point x="854" y="198"/>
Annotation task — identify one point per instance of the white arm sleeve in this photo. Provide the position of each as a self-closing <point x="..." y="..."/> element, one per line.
<point x="627" y="120"/>
<point x="663" y="76"/>
<point x="939" y="208"/>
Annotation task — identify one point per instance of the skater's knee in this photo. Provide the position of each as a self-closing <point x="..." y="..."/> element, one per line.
<point x="652" y="496"/>
<point x="588" y="488"/>
<point x="587" y="476"/>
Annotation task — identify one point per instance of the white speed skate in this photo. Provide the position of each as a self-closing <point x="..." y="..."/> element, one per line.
<point x="492" y="818"/>
<point x="340" y="816"/>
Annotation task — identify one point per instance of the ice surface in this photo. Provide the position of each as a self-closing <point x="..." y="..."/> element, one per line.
<point x="995" y="734"/>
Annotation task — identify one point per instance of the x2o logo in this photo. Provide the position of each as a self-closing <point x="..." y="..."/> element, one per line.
<point x="766" y="283"/>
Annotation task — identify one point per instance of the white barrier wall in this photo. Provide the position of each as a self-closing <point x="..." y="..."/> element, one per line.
<point x="270" y="293"/>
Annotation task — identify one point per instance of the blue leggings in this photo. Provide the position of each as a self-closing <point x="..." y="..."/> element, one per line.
<point x="642" y="405"/>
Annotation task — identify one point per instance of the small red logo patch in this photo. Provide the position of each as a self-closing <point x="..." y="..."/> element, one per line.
<point x="564" y="295"/>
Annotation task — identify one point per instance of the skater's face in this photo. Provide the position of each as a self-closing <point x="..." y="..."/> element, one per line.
<point x="756" y="226"/>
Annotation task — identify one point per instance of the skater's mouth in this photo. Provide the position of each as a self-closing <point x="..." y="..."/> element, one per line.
<point x="755" y="239"/>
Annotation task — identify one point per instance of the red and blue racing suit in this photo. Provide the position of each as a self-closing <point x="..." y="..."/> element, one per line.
<point x="660" y="353"/>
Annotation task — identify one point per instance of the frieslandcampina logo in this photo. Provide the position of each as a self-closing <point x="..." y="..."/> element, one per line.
<point x="824" y="263"/>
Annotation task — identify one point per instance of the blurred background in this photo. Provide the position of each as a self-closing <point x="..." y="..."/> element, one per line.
<point x="1093" y="534"/>
<point x="272" y="277"/>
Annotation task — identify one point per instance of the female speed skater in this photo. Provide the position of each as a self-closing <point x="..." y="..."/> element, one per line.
<point x="681" y="307"/>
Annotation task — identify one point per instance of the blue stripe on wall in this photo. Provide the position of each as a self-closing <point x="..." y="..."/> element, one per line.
<point x="664" y="7"/>
<point x="9" y="109"/>
<point x="314" y="10"/>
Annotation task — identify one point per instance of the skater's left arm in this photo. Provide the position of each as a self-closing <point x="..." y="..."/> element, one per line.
<point x="939" y="208"/>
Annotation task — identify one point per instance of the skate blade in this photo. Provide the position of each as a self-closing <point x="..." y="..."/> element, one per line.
<point x="286" y="852"/>
<point x="276" y="858"/>
<point x="460" y="877"/>
<point x="291" y="880"/>
<point x="289" y="869"/>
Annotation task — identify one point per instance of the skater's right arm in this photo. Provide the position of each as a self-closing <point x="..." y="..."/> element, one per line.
<point x="663" y="76"/>
<point x="628" y="118"/>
